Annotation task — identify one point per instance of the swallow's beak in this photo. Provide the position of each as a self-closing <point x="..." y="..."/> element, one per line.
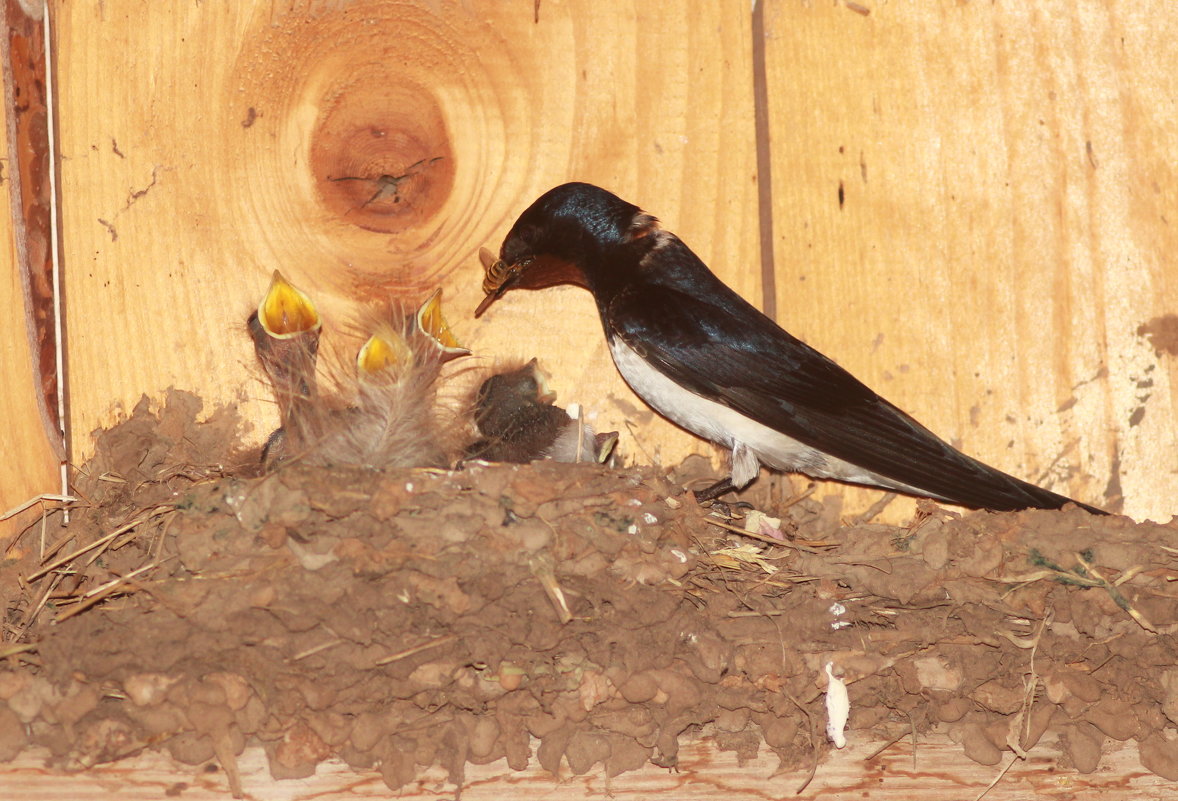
<point x="384" y="351"/>
<point x="543" y="394"/>
<point x="286" y="312"/>
<point x="500" y="277"/>
<point x="431" y="323"/>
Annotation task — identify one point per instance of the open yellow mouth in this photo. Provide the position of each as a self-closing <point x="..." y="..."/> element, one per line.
<point x="431" y="323"/>
<point x="385" y="351"/>
<point x="286" y="311"/>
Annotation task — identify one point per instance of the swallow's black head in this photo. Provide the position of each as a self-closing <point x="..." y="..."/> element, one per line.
<point x="563" y="238"/>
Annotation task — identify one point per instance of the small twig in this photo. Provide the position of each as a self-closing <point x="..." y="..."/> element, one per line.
<point x="417" y="649"/>
<point x="886" y="746"/>
<point x="35" y="500"/>
<point x="810" y="490"/>
<point x="101" y="541"/>
<point x="810" y="546"/>
<point x="32" y="616"/>
<point x="875" y="508"/>
<point x="997" y="778"/>
<point x="314" y="649"/>
<point x="1116" y="595"/>
<point x="12" y="650"/>
<point x="104" y="591"/>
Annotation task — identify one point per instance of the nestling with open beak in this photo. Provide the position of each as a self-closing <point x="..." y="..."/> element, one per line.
<point x="285" y="329"/>
<point x="514" y="412"/>
<point x="384" y="412"/>
<point x="705" y="358"/>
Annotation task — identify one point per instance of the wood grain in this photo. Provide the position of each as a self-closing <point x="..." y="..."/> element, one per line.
<point x="28" y="404"/>
<point x="974" y="213"/>
<point x="368" y="149"/>
<point x="971" y="205"/>
<point x="941" y="771"/>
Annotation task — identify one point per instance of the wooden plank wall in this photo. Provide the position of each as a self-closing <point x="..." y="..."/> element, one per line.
<point x="971" y="205"/>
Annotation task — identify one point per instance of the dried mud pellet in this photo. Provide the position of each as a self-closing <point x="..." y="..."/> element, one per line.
<point x="297" y="754"/>
<point x="482" y="734"/>
<point x="977" y="745"/>
<point x="551" y="749"/>
<point x="936" y="673"/>
<point x="1067" y="682"/>
<point x="190" y="748"/>
<point x="332" y="727"/>
<point x="1040" y="718"/>
<point x="1113" y="717"/>
<point x="367" y="730"/>
<point x="586" y="749"/>
<point x="1160" y="755"/>
<point x="318" y="695"/>
<point x="356" y="759"/>
<point x="952" y="709"/>
<point x="625" y="754"/>
<point x="778" y="732"/>
<point x="639" y="688"/>
<point x="936" y="544"/>
<point x="633" y="721"/>
<point x="210" y="719"/>
<point x="236" y="689"/>
<point x="207" y="692"/>
<point x="12" y="735"/>
<point x="997" y="696"/>
<point x="1150" y="718"/>
<point x="161" y="719"/>
<point x="12" y="682"/>
<point x="28" y="701"/>
<point x="76" y="705"/>
<point x="1169" y="682"/>
<point x="251" y="716"/>
<point x="510" y="676"/>
<point x="262" y="595"/>
<point x="1082" y="743"/>
<point x="397" y="768"/>
<point x="732" y="720"/>
<point x="516" y="743"/>
<point x="541" y="724"/>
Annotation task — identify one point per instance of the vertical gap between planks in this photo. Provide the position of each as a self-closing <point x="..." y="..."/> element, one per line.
<point x="764" y="163"/>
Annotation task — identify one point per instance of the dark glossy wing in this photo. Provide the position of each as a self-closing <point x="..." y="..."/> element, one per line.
<point x="711" y="341"/>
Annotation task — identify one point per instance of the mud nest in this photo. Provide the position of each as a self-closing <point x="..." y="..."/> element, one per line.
<point x="580" y="617"/>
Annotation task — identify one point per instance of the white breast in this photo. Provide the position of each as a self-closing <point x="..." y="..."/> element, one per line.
<point x="728" y="427"/>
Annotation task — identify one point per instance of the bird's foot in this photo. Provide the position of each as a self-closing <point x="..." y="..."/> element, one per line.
<point x="709" y="496"/>
<point x="721" y="487"/>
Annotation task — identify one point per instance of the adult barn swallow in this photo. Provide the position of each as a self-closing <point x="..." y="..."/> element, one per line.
<point x="705" y="358"/>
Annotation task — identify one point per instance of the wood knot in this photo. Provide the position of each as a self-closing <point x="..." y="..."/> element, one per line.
<point x="380" y="155"/>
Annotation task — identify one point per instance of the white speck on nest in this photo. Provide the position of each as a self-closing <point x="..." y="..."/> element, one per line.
<point x="838" y="707"/>
<point x="649" y="519"/>
<point x="633" y="529"/>
<point x="678" y="554"/>
<point x="409" y="486"/>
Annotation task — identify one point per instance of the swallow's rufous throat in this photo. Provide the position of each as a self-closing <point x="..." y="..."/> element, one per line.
<point x="708" y="360"/>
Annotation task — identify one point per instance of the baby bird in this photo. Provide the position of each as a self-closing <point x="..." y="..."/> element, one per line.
<point x="383" y="412"/>
<point x="391" y="417"/>
<point x="285" y="330"/>
<point x="514" y="412"/>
